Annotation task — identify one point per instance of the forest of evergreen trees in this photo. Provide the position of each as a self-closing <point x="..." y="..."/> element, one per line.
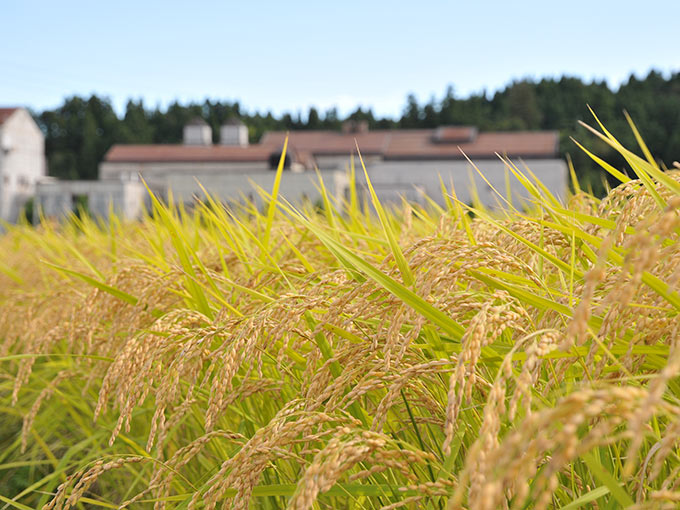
<point x="79" y="132"/>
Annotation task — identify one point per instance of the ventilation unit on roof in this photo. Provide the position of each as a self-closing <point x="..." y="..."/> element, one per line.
<point x="234" y="132"/>
<point x="354" y="126"/>
<point x="454" y="134"/>
<point x="197" y="132"/>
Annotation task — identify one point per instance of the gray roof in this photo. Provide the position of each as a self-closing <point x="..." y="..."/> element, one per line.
<point x="197" y="121"/>
<point x="234" y="121"/>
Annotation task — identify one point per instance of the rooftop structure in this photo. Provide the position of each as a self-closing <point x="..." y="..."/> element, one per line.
<point x="197" y="132"/>
<point x="419" y="144"/>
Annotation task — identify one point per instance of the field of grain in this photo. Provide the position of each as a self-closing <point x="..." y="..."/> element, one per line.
<point x="350" y="355"/>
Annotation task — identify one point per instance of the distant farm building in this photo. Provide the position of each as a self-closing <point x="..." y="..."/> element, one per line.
<point x="400" y="163"/>
<point x="409" y="164"/>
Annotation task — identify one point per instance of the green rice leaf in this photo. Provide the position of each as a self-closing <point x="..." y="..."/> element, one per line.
<point x="275" y="195"/>
<point x="398" y="255"/>
<point x="605" y="477"/>
<point x="588" y="497"/>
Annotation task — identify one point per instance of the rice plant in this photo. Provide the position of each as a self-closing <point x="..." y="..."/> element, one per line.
<point x="356" y="357"/>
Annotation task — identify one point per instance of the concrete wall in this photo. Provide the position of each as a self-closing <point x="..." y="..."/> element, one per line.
<point x="56" y="199"/>
<point x="22" y="163"/>
<point x="232" y="187"/>
<point x="156" y="174"/>
<point x="391" y="179"/>
<point x="342" y="162"/>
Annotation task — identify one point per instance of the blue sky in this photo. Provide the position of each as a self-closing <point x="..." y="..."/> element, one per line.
<point x="288" y="55"/>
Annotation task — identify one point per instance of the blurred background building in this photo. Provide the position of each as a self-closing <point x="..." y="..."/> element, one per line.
<point x="411" y="164"/>
<point x="22" y="161"/>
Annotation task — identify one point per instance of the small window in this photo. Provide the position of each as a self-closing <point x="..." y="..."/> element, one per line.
<point x="274" y="159"/>
<point x="79" y="204"/>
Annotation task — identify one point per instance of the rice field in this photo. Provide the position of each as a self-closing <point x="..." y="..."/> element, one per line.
<point x="350" y="356"/>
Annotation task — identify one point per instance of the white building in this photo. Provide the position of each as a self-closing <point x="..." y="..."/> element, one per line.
<point x="22" y="161"/>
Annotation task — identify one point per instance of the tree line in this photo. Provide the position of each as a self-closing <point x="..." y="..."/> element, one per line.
<point x="79" y="132"/>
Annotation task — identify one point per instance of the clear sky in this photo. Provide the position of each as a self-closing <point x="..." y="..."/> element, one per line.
<point x="287" y="55"/>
